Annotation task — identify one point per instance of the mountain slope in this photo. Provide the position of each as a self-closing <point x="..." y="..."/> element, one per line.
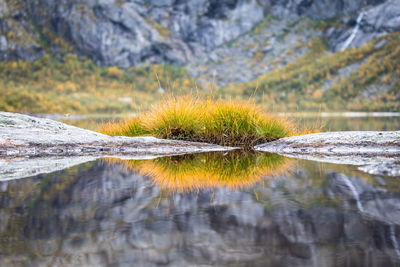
<point x="286" y="53"/>
<point x="126" y="33"/>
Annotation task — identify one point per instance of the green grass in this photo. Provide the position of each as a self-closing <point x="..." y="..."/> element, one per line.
<point x="223" y="122"/>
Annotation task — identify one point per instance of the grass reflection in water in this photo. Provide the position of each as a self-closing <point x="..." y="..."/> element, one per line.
<point x="194" y="172"/>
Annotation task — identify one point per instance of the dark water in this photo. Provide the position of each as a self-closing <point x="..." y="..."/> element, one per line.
<point x="199" y="210"/>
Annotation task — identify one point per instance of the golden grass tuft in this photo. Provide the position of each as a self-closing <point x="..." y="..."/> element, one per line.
<point x="175" y="118"/>
<point x="222" y="122"/>
<point x="128" y="127"/>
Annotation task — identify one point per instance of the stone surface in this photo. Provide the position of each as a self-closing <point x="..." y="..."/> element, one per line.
<point x="23" y="135"/>
<point x="268" y="47"/>
<point x="285" y="32"/>
<point x="131" y="32"/>
<point x="338" y="143"/>
<point x="128" y="32"/>
<point x="318" y="9"/>
<point x="376" y="21"/>
<point x="376" y="152"/>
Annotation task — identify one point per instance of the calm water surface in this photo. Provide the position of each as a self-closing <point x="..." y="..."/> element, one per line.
<point x="227" y="209"/>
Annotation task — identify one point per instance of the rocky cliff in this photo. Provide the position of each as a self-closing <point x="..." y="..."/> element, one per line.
<point x="129" y="32"/>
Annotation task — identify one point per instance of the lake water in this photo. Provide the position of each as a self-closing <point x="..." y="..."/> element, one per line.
<point x="222" y="209"/>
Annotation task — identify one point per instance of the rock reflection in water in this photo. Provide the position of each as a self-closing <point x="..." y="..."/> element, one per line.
<point x="195" y="172"/>
<point x="98" y="214"/>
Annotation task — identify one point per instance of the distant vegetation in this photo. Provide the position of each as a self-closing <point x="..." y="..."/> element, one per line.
<point x="223" y="122"/>
<point x="68" y="84"/>
<point x="73" y="85"/>
<point x="313" y="82"/>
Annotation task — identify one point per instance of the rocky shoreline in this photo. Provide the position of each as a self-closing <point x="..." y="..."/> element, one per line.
<point x="23" y="135"/>
<point x="377" y="153"/>
<point x="347" y="143"/>
<point x="29" y="145"/>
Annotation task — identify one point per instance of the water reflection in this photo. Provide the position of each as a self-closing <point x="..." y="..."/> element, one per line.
<point x="103" y="214"/>
<point x="195" y="172"/>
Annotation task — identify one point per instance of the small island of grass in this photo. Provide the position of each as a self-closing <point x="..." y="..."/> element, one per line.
<point x="222" y="122"/>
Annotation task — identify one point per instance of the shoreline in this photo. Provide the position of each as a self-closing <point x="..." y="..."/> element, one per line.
<point x="32" y="138"/>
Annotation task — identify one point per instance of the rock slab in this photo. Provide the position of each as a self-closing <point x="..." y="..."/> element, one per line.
<point x="23" y="135"/>
<point x="338" y="144"/>
<point x="377" y="153"/>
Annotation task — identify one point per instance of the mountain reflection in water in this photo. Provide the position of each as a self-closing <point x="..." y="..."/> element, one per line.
<point x="103" y="214"/>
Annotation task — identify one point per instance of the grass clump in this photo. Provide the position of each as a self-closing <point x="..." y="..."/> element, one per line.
<point x="175" y="118"/>
<point x="241" y="123"/>
<point x="223" y="122"/>
<point x="129" y="127"/>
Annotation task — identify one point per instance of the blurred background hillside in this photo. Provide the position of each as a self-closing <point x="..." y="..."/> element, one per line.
<point x="113" y="56"/>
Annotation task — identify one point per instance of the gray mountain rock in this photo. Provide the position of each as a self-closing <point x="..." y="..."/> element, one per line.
<point x="130" y="32"/>
<point x="318" y="9"/>
<point x="127" y="33"/>
<point x="376" y="21"/>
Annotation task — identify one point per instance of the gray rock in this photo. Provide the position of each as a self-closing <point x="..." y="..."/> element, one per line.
<point x="319" y="9"/>
<point x="380" y="44"/>
<point x="254" y="53"/>
<point x="338" y="143"/>
<point x="3" y="8"/>
<point x="134" y="32"/>
<point x="126" y="33"/>
<point x="3" y="44"/>
<point x="267" y="49"/>
<point x="22" y="135"/>
<point x="22" y="42"/>
<point x="378" y="151"/>
<point x="376" y="21"/>
<point x="383" y="18"/>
